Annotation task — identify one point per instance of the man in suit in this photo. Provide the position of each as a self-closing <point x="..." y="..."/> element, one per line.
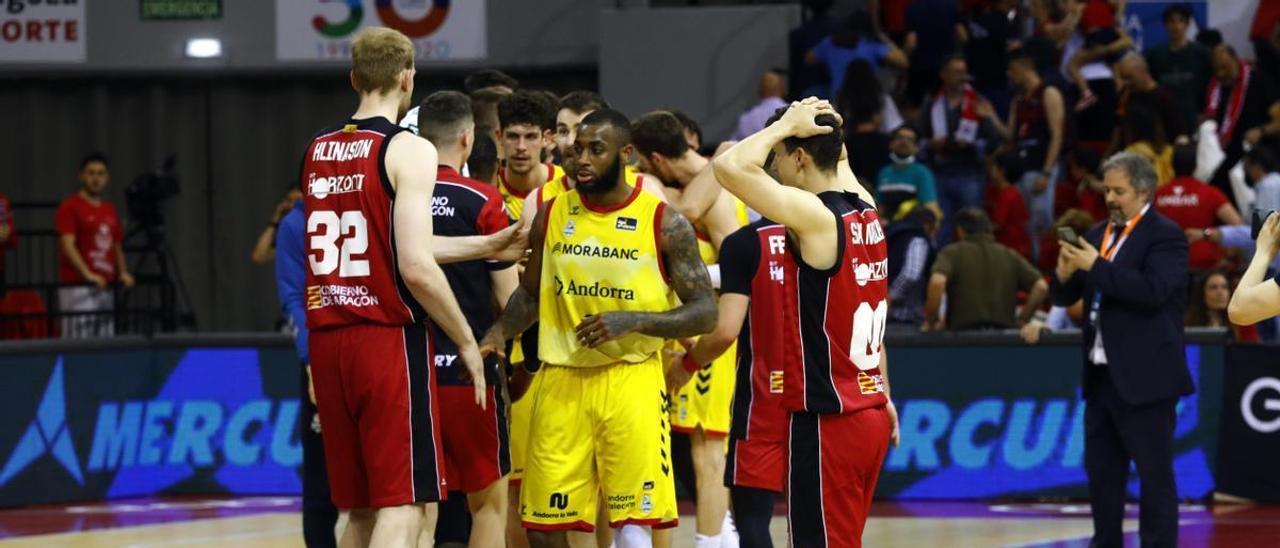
<point x="1131" y="272"/>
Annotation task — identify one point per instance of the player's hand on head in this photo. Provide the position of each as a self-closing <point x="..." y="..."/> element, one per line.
<point x="801" y="117"/>
<point x="600" y="328"/>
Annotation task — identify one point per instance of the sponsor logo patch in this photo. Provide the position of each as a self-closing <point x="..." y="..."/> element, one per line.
<point x="626" y="223"/>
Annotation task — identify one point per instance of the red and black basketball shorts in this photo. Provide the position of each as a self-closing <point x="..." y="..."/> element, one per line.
<point x="833" y="462"/>
<point x="477" y="444"/>
<point x="376" y="395"/>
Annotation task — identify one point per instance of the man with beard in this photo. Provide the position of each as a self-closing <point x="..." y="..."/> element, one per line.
<point x="613" y="274"/>
<point x="1134" y="283"/>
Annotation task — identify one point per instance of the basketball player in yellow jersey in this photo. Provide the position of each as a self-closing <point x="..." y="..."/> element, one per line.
<point x="609" y="262"/>
<point x="524" y="130"/>
<point x="574" y="106"/>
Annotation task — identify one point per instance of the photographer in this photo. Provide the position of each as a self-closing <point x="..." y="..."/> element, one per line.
<point x="1256" y="298"/>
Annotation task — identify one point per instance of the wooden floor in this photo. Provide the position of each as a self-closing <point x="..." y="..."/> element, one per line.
<point x="274" y="522"/>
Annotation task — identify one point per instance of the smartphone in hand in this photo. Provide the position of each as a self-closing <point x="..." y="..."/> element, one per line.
<point x="1068" y="235"/>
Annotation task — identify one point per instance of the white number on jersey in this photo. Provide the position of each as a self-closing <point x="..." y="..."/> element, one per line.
<point x="868" y="335"/>
<point x="325" y="228"/>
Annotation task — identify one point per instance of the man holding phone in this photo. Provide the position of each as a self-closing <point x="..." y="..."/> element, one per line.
<point x="1131" y="272"/>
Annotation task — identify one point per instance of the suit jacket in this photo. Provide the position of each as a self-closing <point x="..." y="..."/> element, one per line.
<point x="1143" y="301"/>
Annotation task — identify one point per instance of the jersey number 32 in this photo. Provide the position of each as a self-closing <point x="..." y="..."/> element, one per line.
<point x="325" y="228"/>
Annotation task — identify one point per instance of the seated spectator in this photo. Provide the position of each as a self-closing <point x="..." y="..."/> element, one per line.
<point x="1078" y="220"/>
<point x="905" y="179"/>
<point x="773" y="92"/>
<point x="1141" y="132"/>
<point x="861" y="103"/>
<point x="1005" y="207"/>
<point x="1198" y="208"/>
<point x="981" y="280"/>
<point x="1181" y="65"/>
<point x="955" y="129"/>
<point x="911" y="255"/>
<point x="858" y="40"/>
<point x="1082" y="171"/>
<point x="1207" y="307"/>
<point x="92" y="258"/>
<point x="1138" y="87"/>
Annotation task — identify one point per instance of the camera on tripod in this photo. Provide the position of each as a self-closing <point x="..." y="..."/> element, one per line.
<point x="148" y="192"/>
<point x="1260" y="218"/>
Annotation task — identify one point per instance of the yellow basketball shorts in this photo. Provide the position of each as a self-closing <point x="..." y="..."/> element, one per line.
<point x="706" y="400"/>
<point x="599" y="431"/>
<point x="521" y="410"/>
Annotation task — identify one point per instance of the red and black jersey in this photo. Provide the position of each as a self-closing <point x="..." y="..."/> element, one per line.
<point x="839" y="316"/>
<point x="466" y="207"/>
<point x="352" y="274"/>
<point x="754" y="262"/>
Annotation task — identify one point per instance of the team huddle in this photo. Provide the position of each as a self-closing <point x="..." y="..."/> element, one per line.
<point x="533" y="343"/>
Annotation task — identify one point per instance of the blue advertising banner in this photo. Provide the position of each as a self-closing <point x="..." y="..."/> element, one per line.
<point x="112" y="424"/>
<point x="978" y="422"/>
<point x="1008" y="422"/>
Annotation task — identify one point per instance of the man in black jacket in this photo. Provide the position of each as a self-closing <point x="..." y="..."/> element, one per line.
<point x="1134" y="284"/>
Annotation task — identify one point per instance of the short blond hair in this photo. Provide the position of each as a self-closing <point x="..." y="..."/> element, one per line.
<point x="378" y="55"/>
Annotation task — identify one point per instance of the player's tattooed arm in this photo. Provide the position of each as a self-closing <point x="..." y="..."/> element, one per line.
<point x="522" y="308"/>
<point x="688" y="277"/>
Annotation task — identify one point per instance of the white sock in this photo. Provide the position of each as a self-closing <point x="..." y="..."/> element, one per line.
<point x="633" y="536"/>
<point x="707" y="541"/>
<point x="728" y="532"/>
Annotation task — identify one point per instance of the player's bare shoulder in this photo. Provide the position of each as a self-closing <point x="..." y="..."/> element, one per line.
<point x="410" y="155"/>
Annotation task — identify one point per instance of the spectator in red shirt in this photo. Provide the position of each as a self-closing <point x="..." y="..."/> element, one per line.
<point x="92" y="258"/>
<point x="1005" y="207"/>
<point x="1207" y="307"/>
<point x="1198" y="208"/>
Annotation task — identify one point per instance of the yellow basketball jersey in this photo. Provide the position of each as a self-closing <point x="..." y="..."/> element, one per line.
<point x="600" y="259"/>
<point x="514" y="199"/>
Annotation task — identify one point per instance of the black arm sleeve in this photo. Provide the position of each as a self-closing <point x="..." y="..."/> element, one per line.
<point x="739" y="259"/>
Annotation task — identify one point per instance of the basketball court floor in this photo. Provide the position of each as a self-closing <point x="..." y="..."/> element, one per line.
<point x="274" y="522"/>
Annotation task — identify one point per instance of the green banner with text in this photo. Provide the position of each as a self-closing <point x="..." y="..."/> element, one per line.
<point x="177" y="10"/>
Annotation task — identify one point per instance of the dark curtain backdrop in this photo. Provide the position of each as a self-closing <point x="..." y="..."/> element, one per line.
<point x="237" y="139"/>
